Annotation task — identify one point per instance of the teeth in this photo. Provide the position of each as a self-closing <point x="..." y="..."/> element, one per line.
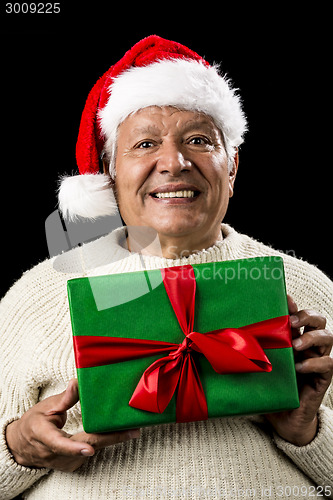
<point x="176" y="194"/>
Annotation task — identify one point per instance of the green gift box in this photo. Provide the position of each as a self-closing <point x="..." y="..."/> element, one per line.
<point x="183" y="343"/>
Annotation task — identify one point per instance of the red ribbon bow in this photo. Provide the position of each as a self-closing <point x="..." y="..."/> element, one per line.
<point x="228" y="350"/>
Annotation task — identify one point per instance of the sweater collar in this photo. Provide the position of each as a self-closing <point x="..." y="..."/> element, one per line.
<point x="109" y="254"/>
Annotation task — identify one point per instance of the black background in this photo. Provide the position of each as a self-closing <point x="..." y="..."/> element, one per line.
<point x="279" y="59"/>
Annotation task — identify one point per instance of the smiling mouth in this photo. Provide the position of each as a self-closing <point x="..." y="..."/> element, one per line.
<point x="186" y="193"/>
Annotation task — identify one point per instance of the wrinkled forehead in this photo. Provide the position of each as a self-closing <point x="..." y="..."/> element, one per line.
<point x="157" y="121"/>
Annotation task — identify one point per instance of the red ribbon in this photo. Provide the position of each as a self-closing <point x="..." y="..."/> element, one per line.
<point x="228" y="350"/>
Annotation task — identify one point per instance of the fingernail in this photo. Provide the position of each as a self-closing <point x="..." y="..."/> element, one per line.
<point x="297" y="343"/>
<point x="298" y="367"/>
<point x="87" y="453"/>
<point x="133" y="433"/>
<point x="293" y="320"/>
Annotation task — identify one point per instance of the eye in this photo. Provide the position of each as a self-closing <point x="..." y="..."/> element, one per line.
<point x="144" y="145"/>
<point x="198" y="141"/>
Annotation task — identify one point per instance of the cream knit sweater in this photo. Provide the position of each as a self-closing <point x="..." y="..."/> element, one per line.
<point x="220" y="458"/>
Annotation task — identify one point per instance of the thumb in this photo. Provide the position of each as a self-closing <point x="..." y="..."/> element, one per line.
<point x="64" y="401"/>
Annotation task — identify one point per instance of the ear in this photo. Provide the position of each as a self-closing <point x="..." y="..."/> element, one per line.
<point x="105" y="166"/>
<point x="106" y="170"/>
<point x="233" y="173"/>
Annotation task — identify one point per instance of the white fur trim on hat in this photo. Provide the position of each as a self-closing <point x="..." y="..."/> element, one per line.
<point x="183" y="83"/>
<point x="87" y="195"/>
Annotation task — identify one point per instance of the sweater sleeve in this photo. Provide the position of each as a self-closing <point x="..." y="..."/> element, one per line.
<point x="315" y="459"/>
<point x="14" y="478"/>
<point x="25" y="313"/>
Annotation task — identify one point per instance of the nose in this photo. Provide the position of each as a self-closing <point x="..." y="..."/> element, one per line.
<point x="171" y="159"/>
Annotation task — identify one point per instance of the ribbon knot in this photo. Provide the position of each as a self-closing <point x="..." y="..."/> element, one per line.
<point x="184" y="348"/>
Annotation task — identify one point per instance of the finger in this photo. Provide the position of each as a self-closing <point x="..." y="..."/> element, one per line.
<point x="99" y="441"/>
<point x="320" y="339"/>
<point x="60" y="443"/>
<point x="322" y="366"/>
<point x="64" y="401"/>
<point x="292" y="306"/>
<point x="310" y="398"/>
<point x="308" y="318"/>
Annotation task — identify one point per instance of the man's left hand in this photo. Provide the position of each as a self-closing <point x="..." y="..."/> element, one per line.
<point x="314" y="367"/>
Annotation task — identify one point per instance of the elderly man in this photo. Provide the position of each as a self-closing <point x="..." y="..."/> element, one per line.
<point x="168" y="126"/>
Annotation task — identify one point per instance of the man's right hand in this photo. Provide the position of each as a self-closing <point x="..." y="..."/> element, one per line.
<point x="37" y="438"/>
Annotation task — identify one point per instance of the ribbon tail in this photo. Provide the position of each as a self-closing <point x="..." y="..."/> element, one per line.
<point x="191" y="400"/>
<point x="157" y="385"/>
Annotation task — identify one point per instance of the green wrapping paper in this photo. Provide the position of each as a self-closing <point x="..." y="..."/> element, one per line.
<point x="135" y="305"/>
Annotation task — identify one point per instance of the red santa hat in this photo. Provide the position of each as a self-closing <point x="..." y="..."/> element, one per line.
<point x="154" y="72"/>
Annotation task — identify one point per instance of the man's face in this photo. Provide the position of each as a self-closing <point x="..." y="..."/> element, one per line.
<point x="172" y="173"/>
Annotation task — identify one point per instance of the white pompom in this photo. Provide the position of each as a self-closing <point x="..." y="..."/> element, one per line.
<point x="88" y="195"/>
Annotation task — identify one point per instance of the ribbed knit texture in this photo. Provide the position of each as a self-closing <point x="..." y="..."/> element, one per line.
<point x="220" y="458"/>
